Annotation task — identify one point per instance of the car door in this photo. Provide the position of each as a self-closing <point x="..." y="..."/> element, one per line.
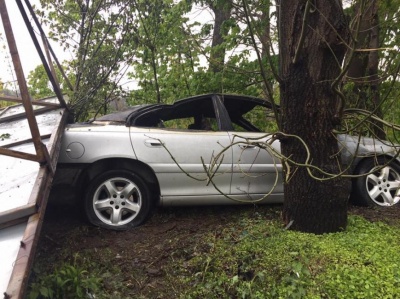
<point x="181" y="157"/>
<point x="256" y="170"/>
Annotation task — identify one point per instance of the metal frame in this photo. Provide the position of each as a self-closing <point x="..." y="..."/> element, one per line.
<point x="33" y="212"/>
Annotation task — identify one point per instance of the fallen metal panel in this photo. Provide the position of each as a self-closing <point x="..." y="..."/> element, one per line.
<point x="23" y="262"/>
<point x="18" y="176"/>
<point x="20" y="172"/>
<point x="10" y="239"/>
<point x="24" y="189"/>
<point x="24" y="184"/>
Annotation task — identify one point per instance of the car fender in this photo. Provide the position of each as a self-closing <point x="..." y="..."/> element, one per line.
<point x="90" y="143"/>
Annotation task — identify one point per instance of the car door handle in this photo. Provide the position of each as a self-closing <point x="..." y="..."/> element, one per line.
<point x="153" y="143"/>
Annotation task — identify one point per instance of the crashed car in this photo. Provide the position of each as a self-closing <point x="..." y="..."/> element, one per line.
<point x="196" y="152"/>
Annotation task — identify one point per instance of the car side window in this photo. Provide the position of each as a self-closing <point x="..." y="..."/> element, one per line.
<point x="209" y="124"/>
<point x="192" y="114"/>
<point x="259" y="119"/>
<point x="179" y="123"/>
<point x="192" y="123"/>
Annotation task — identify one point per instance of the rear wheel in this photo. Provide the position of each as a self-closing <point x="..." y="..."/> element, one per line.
<point x="381" y="186"/>
<point x="118" y="199"/>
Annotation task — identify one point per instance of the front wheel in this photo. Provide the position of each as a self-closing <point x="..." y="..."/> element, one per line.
<point x="118" y="199"/>
<point x="381" y="185"/>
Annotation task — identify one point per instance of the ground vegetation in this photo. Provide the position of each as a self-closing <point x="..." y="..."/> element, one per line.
<point x="217" y="252"/>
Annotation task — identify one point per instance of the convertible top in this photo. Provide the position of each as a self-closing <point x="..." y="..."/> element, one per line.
<point x="152" y="114"/>
<point x="121" y="116"/>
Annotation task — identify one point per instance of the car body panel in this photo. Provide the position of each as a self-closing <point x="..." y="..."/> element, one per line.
<point x="97" y="143"/>
<point x="176" y="159"/>
<point x="179" y="157"/>
<point x="254" y="168"/>
<point x="353" y="149"/>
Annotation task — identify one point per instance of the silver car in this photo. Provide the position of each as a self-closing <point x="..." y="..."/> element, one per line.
<point x="198" y="151"/>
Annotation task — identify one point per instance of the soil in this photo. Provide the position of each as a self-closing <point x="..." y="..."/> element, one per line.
<point x="170" y="232"/>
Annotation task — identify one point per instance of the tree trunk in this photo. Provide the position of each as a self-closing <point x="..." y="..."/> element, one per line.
<point x="312" y="35"/>
<point x="222" y="11"/>
<point x="372" y="71"/>
<point x="363" y="69"/>
<point x="266" y="34"/>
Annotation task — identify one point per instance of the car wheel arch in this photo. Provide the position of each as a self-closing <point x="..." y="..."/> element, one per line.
<point x="361" y="161"/>
<point x="139" y="168"/>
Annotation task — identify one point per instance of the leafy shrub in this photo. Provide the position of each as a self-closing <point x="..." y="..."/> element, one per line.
<point x="67" y="281"/>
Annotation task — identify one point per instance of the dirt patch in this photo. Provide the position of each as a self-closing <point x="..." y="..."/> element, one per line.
<point x="140" y="254"/>
<point x="386" y="215"/>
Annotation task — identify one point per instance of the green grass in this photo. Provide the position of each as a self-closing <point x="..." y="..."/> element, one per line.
<point x="257" y="259"/>
<point x="250" y="257"/>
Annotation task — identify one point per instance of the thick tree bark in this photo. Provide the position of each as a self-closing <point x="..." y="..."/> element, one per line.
<point x="312" y="35"/>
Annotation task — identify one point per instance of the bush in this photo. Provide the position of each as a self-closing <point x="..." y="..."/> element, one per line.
<point x="67" y="281"/>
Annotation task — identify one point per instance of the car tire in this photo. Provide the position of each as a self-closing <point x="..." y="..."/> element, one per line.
<point x="118" y="200"/>
<point x="380" y="187"/>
